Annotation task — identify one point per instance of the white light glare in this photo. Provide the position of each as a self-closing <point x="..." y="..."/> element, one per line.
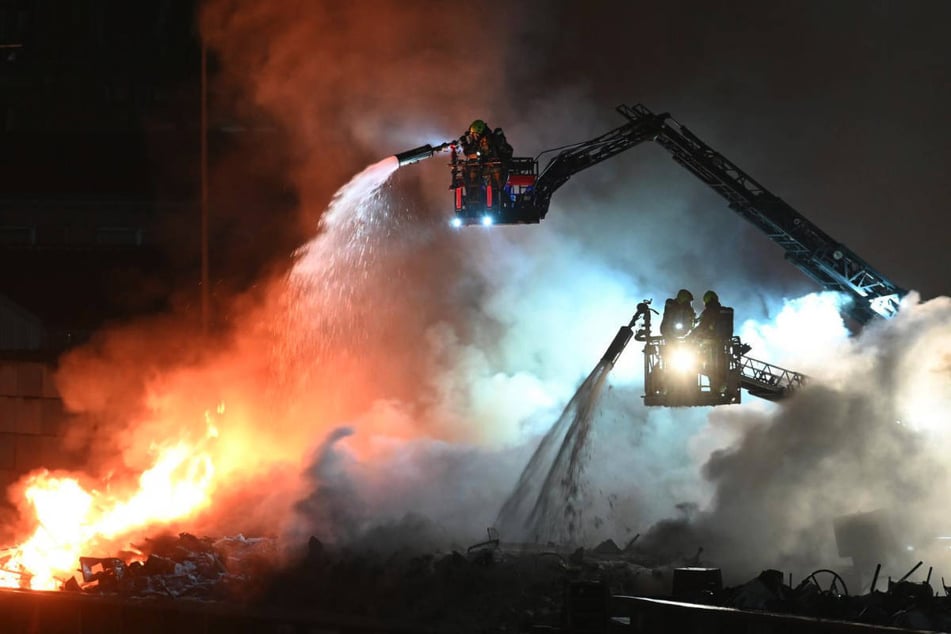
<point x="682" y="359"/>
<point x="456" y="222"/>
<point x="487" y="220"/>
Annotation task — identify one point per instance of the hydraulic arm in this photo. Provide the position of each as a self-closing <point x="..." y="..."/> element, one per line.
<point x="584" y="155"/>
<point x="828" y="262"/>
<point x="831" y="264"/>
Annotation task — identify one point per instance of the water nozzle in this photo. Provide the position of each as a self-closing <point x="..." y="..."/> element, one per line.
<point x="617" y="346"/>
<point x="422" y="152"/>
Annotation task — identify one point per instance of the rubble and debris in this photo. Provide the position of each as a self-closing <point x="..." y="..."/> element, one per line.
<point x="629" y="547"/>
<point x="489" y="586"/>
<point x="106" y="571"/>
<point x="182" y="566"/>
<point x="905" y="604"/>
<point x="484" y="552"/>
<point x="607" y="547"/>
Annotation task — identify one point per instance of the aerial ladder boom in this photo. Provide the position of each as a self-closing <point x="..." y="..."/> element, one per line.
<point x="588" y="153"/>
<point x="828" y="262"/>
<point x="768" y="381"/>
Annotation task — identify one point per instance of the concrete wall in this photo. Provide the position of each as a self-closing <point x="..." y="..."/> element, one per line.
<point x="31" y="421"/>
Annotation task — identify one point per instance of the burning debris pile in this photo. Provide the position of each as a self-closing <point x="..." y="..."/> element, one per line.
<point x="487" y="585"/>
<point x="228" y="568"/>
<point x="156" y="460"/>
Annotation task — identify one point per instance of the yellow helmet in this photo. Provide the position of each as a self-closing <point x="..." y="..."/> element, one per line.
<point x="710" y="296"/>
<point x="477" y="127"/>
<point x="683" y="296"/>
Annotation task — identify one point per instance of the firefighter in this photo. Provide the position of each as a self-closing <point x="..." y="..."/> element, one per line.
<point x="679" y="315"/>
<point x="482" y="142"/>
<point x="711" y="338"/>
<point x="487" y="153"/>
<point x="708" y="324"/>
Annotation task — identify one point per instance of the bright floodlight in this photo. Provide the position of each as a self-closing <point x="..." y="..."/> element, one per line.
<point x="456" y="222"/>
<point x="682" y="359"/>
<point x="487" y="220"/>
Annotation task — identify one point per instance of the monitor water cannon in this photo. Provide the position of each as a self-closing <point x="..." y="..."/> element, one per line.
<point x="421" y="153"/>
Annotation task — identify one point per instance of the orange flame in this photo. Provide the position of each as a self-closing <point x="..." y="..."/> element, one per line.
<point x="72" y="521"/>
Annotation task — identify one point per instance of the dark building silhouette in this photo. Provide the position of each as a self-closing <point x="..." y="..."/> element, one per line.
<point x="99" y="162"/>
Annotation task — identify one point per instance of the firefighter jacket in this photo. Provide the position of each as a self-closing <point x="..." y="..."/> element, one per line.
<point x="677" y="320"/>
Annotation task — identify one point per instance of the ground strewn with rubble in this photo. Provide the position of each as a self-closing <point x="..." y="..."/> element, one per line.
<point x="234" y="584"/>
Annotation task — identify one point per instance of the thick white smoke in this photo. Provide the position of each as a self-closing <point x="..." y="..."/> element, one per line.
<point x="868" y="433"/>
